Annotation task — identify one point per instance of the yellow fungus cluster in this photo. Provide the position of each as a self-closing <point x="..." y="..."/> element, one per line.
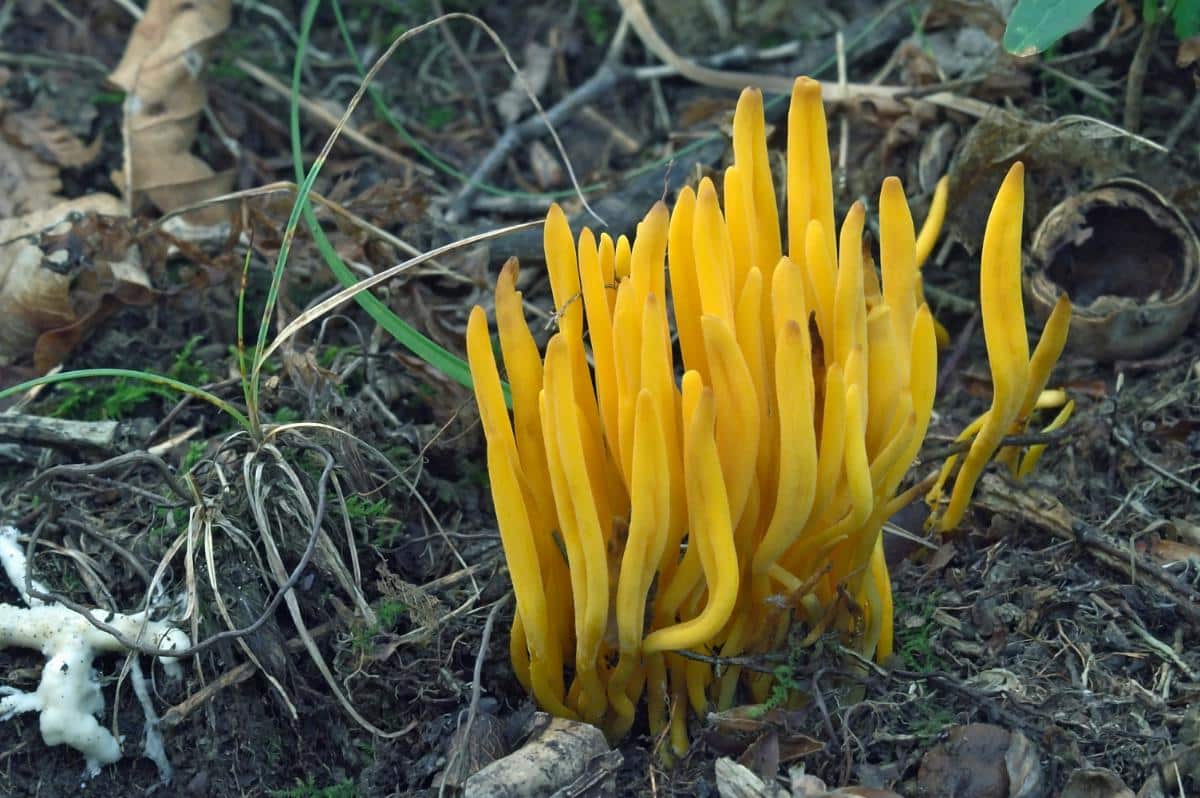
<point x="643" y="514"/>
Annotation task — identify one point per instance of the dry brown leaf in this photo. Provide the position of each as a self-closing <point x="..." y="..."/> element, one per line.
<point x="27" y="183"/>
<point x="63" y="270"/>
<point x="45" y="219"/>
<point x="49" y="139"/>
<point x="1167" y="552"/>
<point x="546" y="169"/>
<point x="1095" y="783"/>
<point x="33" y="299"/>
<point x="165" y="54"/>
<point x="513" y="101"/>
<point x="762" y="756"/>
<point x="963" y="14"/>
<point x="1189" y="52"/>
<point x="982" y="760"/>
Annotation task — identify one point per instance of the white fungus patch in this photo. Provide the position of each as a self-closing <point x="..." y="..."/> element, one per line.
<point x="68" y="697"/>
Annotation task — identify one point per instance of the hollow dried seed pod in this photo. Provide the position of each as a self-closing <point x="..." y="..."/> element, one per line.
<point x="1130" y="262"/>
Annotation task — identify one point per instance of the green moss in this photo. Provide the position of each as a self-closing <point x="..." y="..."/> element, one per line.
<point x="913" y="644"/>
<point x="194" y="454"/>
<point x="359" y="507"/>
<point x="438" y="116"/>
<point x="309" y="789"/>
<point x="596" y="21"/>
<point x="390" y="612"/>
<point x="112" y="401"/>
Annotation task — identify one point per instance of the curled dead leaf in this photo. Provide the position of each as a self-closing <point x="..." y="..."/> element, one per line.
<point x="63" y="270"/>
<point x="159" y="71"/>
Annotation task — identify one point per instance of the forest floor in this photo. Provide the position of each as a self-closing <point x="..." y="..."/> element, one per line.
<point x="1064" y="613"/>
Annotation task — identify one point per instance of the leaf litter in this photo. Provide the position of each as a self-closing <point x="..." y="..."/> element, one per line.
<point x="1059" y="620"/>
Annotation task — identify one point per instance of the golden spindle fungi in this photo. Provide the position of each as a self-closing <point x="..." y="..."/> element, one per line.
<point x="641" y="515"/>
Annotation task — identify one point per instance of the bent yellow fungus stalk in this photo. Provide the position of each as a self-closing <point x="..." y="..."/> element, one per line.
<point x="717" y="496"/>
<point x="1017" y="380"/>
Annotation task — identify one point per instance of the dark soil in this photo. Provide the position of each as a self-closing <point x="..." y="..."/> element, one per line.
<point x="1010" y="622"/>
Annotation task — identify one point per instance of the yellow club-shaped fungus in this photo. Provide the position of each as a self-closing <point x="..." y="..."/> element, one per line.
<point x="1018" y="380"/>
<point x="714" y="495"/>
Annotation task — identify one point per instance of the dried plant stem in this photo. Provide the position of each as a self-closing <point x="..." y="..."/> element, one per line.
<point x="1132" y="119"/>
<point x="318" y="112"/>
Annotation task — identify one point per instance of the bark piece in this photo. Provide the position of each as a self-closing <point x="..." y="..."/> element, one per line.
<point x="560" y="756"/>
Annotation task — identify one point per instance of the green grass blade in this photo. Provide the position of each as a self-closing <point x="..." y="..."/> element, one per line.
<point x="154" y="379"/>
<point x="420" y="345"/>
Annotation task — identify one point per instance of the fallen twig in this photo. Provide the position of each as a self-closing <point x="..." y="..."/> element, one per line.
<point x="317" y="112"/>
<point x="1032" y="506"/>
<point x="612" y="73"/>
<point x="235" y="675"/>
<point x="514" y="136"/>
<point x="1025" y="439"/>
<point x="62" y="433"/>
<point x="779" y="84"/>
<point x="1136" y="77"/>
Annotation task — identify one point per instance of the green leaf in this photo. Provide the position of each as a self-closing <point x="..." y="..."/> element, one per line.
<point x="1037" y="24"/>
<point x="1186" y="15"/>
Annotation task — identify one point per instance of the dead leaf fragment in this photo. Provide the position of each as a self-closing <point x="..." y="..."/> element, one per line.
<point x="1168" y="552"/>
<point x="546" y="169"/>
<point x="563" y="753"/>
<point x="63" y="270"/>
<point x="49" y="139"/>
<point x="966" y="15"/>
<point x="984" y="761"/>
<point x="159" y="71"/>
<point x="739" y="781"/>
<point x="1095" y="783"/>
<point x="805" y="785"/>
<point x="33" y="300"/>
<point x="513" y="101"/>
<point x="1189" y="52"/>
<point x="469" y="753"/>
<point x="27" y="183"/>
<point x="762" y="756"/>
<point x="1024" y="768"/>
